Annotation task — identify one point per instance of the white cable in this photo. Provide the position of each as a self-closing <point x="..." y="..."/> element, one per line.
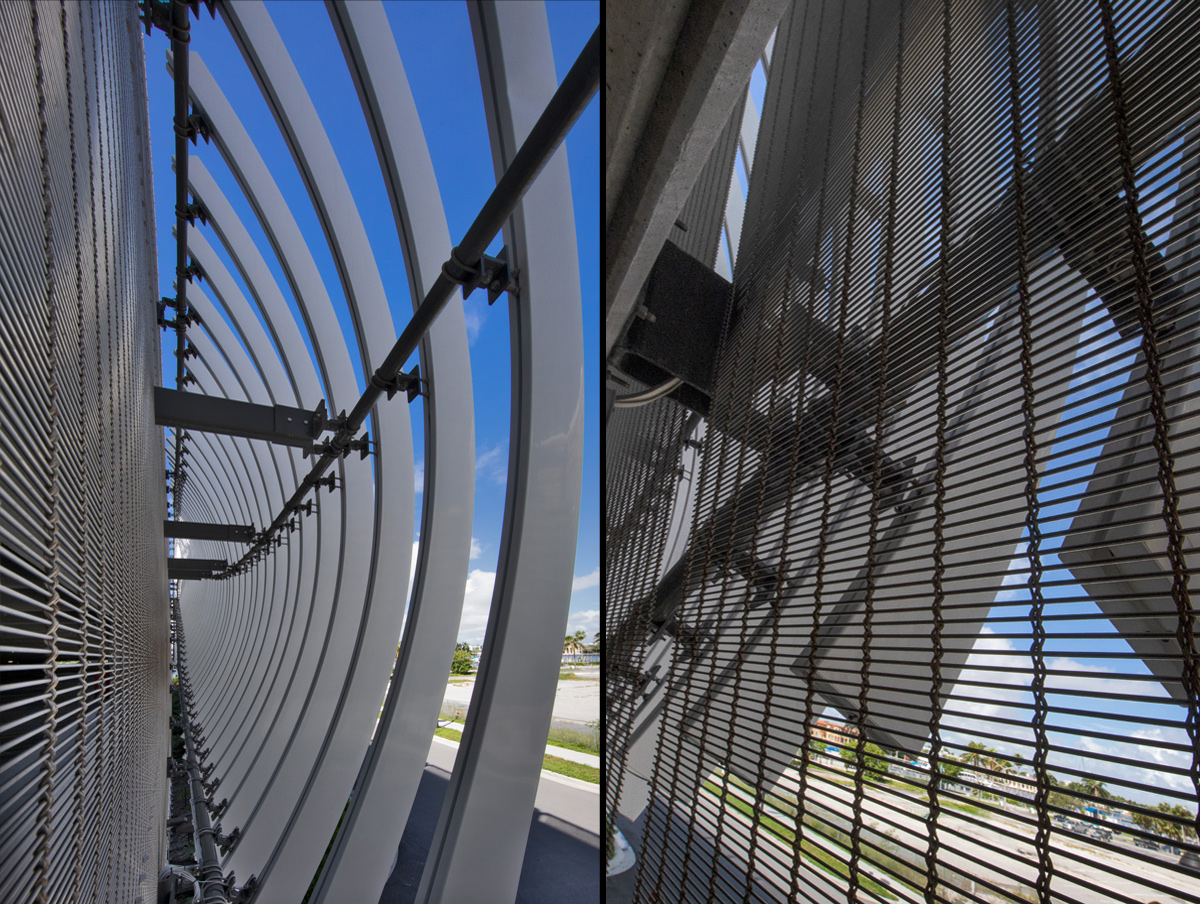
<point x="638" y="399"/>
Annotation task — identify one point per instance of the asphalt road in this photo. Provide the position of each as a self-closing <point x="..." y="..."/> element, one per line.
<point x="996" y="849"/>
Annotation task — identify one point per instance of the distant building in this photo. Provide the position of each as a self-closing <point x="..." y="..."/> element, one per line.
<point x="1008" y="785"/>
<point x="835" y="733"/>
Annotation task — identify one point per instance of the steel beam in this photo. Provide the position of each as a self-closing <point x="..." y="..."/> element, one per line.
<point x="199" y="530"/>
<point x="191" y="569"/>
<point x="274" y="423"/>
<point x="667" y="126"/>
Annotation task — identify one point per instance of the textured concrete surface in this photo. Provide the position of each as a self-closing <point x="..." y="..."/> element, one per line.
<point x="670" y="127"/>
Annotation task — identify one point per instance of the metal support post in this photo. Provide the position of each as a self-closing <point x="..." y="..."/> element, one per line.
<point x="212" y="885"/>
<point x="209" y="878"/>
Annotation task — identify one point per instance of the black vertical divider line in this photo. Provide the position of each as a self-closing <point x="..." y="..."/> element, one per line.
<point x="1045" y="866"/>
<point x="939" y="544"/>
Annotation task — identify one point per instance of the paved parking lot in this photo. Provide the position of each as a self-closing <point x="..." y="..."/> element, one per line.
<point x="576" y="700"/>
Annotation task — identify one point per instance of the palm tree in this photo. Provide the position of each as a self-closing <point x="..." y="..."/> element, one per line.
<point x="975" y="756"/>
<point x="573" y="643"/>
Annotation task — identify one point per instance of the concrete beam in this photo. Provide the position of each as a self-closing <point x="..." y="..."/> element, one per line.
<point x="664" y="128"/>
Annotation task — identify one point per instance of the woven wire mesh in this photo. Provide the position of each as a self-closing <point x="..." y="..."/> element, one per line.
<point x="84" y="723"/>
<point x="932" y="635"/>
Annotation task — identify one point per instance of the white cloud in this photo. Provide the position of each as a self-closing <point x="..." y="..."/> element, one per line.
<point x="474" y="320"/>
<point x="588" y="620"/>
<point x="588" y="580"/>
<point x="971" y="711"/>
<point x="419" y="477"/>
<point x="477" y="596"/>
<point x="476" y="548"/>
<point x="493" y="464"/>
<point x="1123" y="772"/>
<point x="477" y="603"/>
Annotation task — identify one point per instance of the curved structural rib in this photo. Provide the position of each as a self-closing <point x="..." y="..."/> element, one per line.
<point x="479" y="844"/>
<point x="307" y="384"/>
<point x="364" y="639"/>
<point x="333" y="358"/>
<point x="365" y="848"/>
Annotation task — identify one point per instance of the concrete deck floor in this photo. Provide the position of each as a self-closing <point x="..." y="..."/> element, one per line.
<point x="563" y="857"/>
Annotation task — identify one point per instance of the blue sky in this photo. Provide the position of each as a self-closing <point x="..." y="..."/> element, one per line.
<point x="435" y="43"/>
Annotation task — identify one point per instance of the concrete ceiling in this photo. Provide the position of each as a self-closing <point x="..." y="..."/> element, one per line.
<point x="674" y="71"/>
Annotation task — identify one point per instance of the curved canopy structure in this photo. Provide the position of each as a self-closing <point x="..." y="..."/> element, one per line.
<point x="290" y="468"/>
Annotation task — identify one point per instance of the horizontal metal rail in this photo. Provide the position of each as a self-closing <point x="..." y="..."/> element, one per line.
<point x="210" y="414"/>
<point x="200" y="530"/>
<point x="564" y="108"/>
<point x="192" y="569"/>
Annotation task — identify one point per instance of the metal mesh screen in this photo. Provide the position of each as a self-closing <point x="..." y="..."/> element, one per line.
<point x="931" y="638"/>
<point x="83" y="611"/>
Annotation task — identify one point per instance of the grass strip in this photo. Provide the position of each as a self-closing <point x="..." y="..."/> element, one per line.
<point x="571" y="768"/>
<point x="549" y="763"/>
<point x="566" y="738"/>
<point x="814" y="853"/>
<point x="579" y="741"/>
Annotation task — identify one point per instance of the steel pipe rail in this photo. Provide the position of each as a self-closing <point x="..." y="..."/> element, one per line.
<point x="564" y="108"/>
<point x="209" y="877"/>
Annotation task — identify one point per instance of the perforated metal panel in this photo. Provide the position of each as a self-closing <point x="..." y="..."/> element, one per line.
<point x="931" y="638"/>
<point x="83" y="597"/>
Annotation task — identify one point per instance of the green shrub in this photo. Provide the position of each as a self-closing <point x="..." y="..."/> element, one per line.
<point x="461" y="664"/>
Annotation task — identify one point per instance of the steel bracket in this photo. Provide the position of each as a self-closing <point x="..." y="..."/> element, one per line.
<point x="193" y="269"/>
<point x="493" y="274"/>
<point x="155" y="14"/>
<point x="410" y="383"/>
<point x="362" y="445"/>
<point x="197" y="125"/>
<point x="242" y="895"/>
<point x="196" y="212"/>
<point x="225" y="842"/>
